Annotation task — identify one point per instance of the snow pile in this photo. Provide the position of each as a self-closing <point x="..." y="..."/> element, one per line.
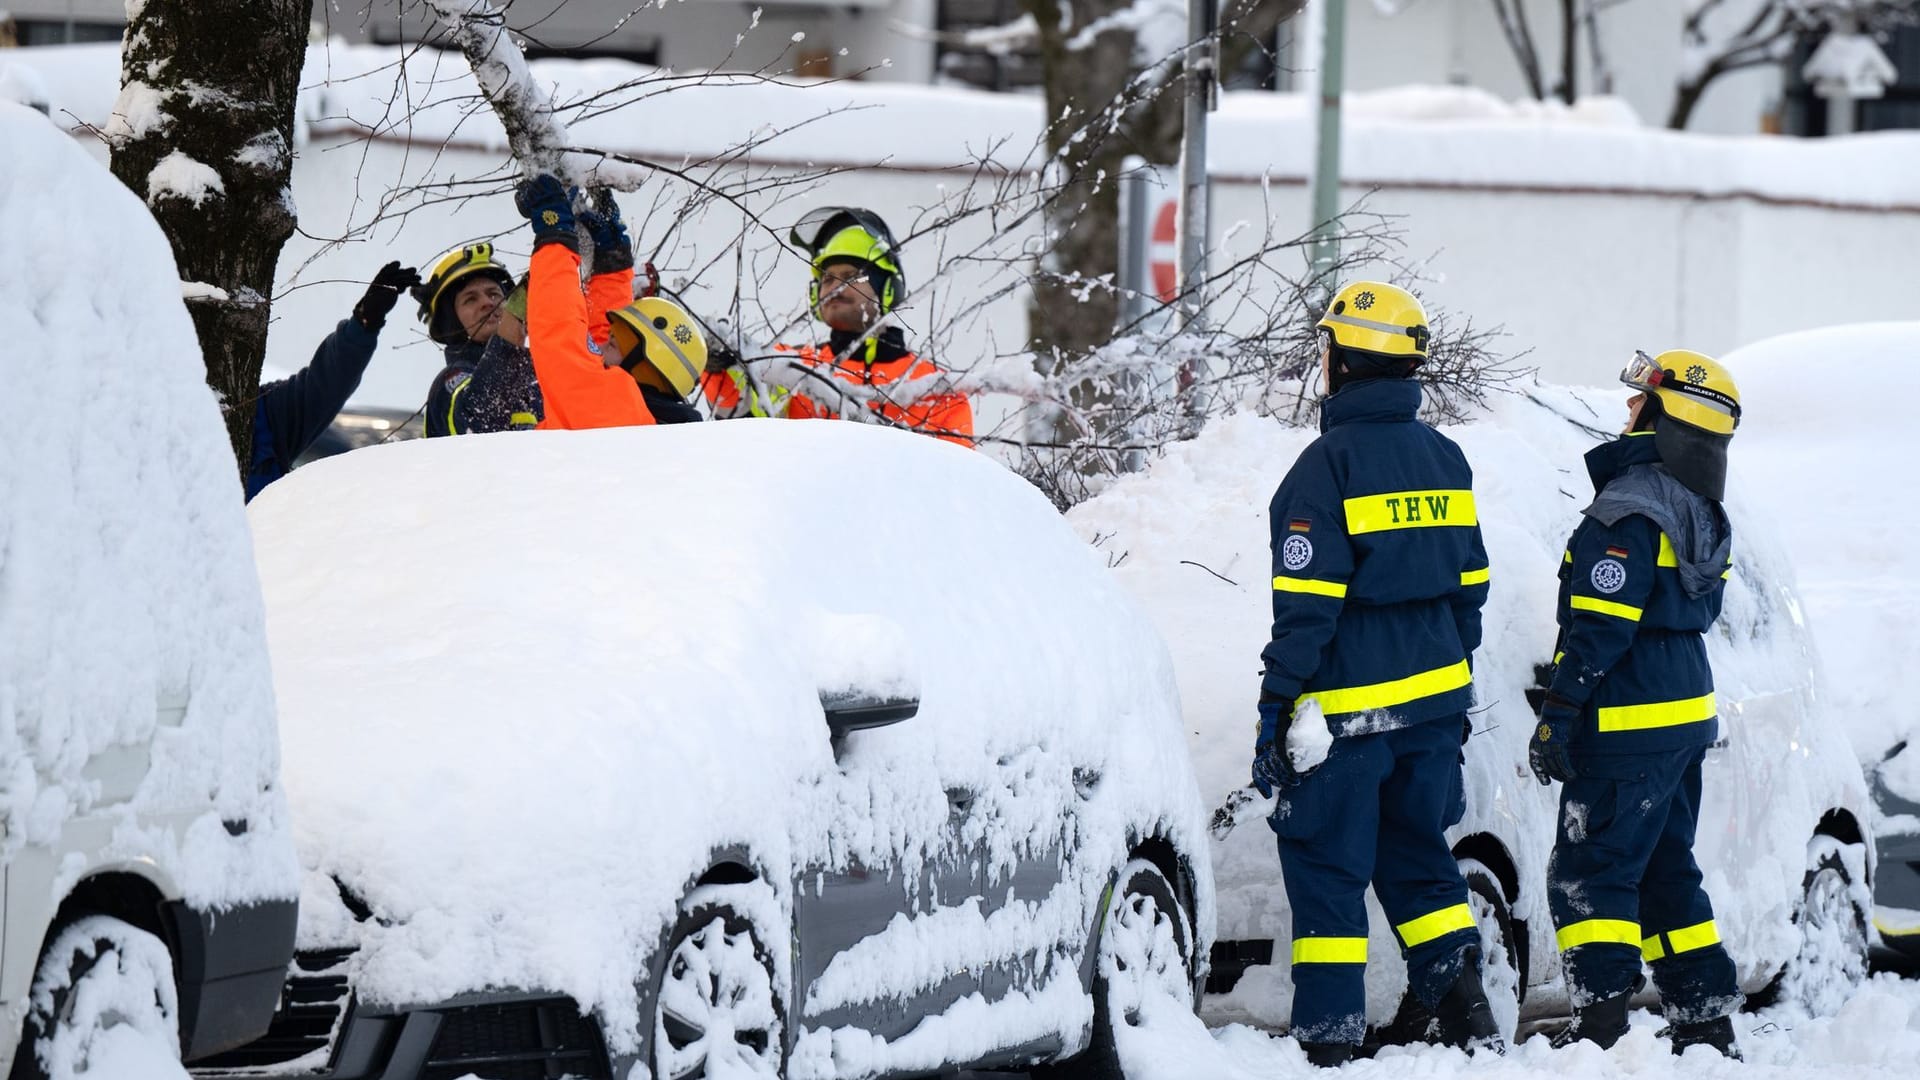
<point x="529" y="684"/>
<point x="129" y="612"/>
<point x="1189" y="539"/>
<point x="1828" y="421"/>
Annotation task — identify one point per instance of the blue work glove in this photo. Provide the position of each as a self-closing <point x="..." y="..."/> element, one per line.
<point x="612" y="248"/>
<point x="1272" y="769"/>
<point x="1547" y="750"/>
<point x="548" y="205"/>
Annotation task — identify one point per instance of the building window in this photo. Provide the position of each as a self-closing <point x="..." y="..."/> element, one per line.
<point x="986" y="65"/>
<point x="54" y="31"/>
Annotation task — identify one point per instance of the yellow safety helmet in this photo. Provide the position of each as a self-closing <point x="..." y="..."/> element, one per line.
<point x="1693" y="388"/>
<point x="661" y="333"/>
<point x="1378" y="318"/>
<point x="448" y="271"/>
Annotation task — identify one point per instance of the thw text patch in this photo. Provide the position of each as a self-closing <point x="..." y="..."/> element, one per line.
<point x="1410" y="510"/>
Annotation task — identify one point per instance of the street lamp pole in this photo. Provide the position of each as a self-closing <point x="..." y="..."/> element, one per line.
<point x="1326" y="169"/>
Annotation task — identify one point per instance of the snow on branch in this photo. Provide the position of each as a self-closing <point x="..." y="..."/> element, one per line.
<point x="535" y="133"/>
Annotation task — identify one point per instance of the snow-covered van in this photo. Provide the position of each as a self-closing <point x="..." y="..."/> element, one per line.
<point x="751" y="749"/>
<point x="1835" y="457"/>
<point x="1782" y="836"/>
<point x="149" y="877"/>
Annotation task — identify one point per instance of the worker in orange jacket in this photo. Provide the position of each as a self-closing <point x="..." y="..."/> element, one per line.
<point x="856" y="282"/>
<point x="601" y="358"/>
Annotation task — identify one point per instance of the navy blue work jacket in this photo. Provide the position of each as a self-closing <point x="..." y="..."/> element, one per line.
<point x="1379" y="572"/>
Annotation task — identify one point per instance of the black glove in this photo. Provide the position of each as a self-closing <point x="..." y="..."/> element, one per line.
<point x="1272" y="769"/>
<point x="612" y="249"/>
<point x="371" y="311"/>
<point x="1547" y="750"/>
<point x="548" y="205"/>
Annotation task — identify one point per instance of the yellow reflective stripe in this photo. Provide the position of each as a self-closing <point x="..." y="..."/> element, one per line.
<point x="522" y="419"/>
<point x="1435" y="924"/>
<point x="1666" y="556"/>
<point x="453" y="400"/>
<point x="1727" y="573"/>
<point x="1410" y="510"/>
<point x="1658" y="714"/>
<point x="1567" y="556"/>
<point x="1475" y="577"/>
<point x="1353" y="699"/>
<point x="1697" y="936"/>
<point x="1605" y="607"/>
<point x="1330" y="950"/>
<point x="1308" y="585"/>
<point x="1559" y="656"/>
<point x="1598" y="932"/>
<point x="1650" y="949"/>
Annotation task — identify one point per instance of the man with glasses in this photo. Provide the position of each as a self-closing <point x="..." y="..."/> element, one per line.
<point x="857" y="283"/>
<point x="1630" y="711"/>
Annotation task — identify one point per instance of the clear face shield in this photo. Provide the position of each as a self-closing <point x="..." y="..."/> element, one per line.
<point x="1642" y="373"/>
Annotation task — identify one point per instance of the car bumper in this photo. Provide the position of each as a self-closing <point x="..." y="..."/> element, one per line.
<point x="321" y="1032"/>
<point x="230" y="965"/>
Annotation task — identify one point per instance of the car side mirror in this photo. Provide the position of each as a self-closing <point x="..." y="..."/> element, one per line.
<point x="851" y="710"/>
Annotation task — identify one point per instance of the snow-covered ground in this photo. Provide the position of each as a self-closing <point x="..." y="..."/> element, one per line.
<point x="1876" y="1034"/>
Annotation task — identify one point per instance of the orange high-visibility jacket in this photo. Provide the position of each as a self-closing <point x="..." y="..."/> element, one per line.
<point x="577" y="388"/>
<point x="878" y="362"/>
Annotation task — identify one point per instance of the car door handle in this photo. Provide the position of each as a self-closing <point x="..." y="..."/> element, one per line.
<point x="959" y="802"/>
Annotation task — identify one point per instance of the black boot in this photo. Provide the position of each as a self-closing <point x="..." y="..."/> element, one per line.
<point x="1715" y="1033"/>
<point x="1328" y="1055"/>
<point x="1601" y="1023"/>
<point x="1465" y="1017"/>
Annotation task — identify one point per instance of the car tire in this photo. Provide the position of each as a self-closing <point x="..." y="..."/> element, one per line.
<point x="100" y="981"/>
<point x="1503" y="968"/>
<point x="1144" y="961"/>
<point x="718" y="1008"/>
<point x="1832" y="917"/>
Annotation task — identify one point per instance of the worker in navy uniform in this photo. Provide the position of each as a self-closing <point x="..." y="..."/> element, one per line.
<point x="1630" y="712"/>
<point x="1379" y="574"/>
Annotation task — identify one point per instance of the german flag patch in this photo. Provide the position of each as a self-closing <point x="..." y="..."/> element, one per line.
<point x="1299" y="525"/>
<point x="1616" y="553"/>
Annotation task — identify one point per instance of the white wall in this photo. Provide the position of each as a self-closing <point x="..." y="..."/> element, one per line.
<point x="1460" y="41"/>
<point x="1578" y="278"/>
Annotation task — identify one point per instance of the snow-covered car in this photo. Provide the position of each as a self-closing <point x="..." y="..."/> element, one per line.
<point x="815" y="749"/>
<point x="147" y="860"/>
<point x="1781" y="834"/>
<point x="1834" y="457"/>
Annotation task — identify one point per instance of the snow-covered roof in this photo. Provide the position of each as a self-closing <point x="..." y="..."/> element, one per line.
<point x="1402" y="136"/>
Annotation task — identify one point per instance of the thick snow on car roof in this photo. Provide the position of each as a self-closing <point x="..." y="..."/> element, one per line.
<point x="126" y="577"/>
<point x="1828" y="437"/>
<point x="529" y="681"/>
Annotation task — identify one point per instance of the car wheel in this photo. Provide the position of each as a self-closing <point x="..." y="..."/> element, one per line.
<point x="1502" y="968"/>
<point x="1144" y="967"/>
<point x="1832" y="917"/>
<point x="103" y="1002"/>
<point x="718" y="1009"/>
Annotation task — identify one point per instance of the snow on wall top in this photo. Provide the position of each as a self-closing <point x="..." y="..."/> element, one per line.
<point x="529" y="682"/>
<point x="127" y="587"/>
<point x="1408" y="135"/>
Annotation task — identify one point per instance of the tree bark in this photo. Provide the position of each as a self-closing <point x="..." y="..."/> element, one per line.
<point x="1569" y="51"/>
<point x="203" y="131"/>
<point x="1086" y="145"/>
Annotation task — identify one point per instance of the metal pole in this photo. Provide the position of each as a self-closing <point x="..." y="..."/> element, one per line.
<point x="1192" y="271"/>
<point x="1326" y="169"/>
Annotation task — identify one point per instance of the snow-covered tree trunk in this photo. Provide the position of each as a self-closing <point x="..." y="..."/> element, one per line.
<point x="203" y="131"/>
